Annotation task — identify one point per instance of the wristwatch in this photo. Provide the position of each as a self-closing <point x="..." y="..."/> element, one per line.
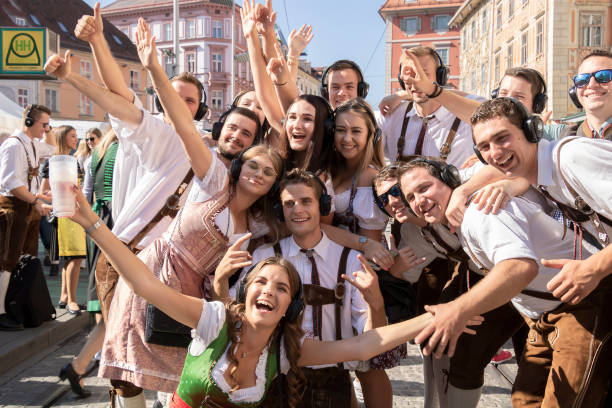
<point x="94" y="226"/>
<point x="363" y="240"/>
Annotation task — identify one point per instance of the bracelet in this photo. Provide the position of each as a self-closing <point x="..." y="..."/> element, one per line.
<point x="437" y="91"/>
<point x="94" y="226"/>
<point x="36" y="199"/>
<point x="284" y="83"/>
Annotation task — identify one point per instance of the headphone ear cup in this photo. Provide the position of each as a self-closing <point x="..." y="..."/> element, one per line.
<point x="495" y="93"/>
<point x="479" y="155"/>
<point x="450" y="176"/>
<point x="202" y="109"/>
<point x="29" y="122"/>
<point x="216" y="130"/>
<point x="574" y="97"/>
<point x="539" y="103"/>
<point x="295" y="308"/>
<point x="235" y="168"/>
<point x="534" y="129"/>
<point x="158" y="104"/>
<point x="442" y="74"/>
<point x="325" y="204"/>
<point x="362" y="89"/>
<point x="323" y="90"/>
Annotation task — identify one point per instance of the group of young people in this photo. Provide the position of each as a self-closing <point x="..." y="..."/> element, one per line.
<point x="268" y="237"/>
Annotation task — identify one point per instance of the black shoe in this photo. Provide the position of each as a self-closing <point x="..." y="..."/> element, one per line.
<point x="8" y="324"/>
<point x="61" y="305"/>
<point x="54" y="270"/>
<point x="74" y="312"/>
<point x="67" y="372"/>
<point x="158" y="404"/>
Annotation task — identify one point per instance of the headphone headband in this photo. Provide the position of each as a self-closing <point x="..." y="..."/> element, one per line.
<point x="202" y="106"/>
<point x="362" y="86"/>
<point x="442" y="71"/>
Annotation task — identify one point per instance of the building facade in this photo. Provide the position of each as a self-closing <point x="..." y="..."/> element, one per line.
<point x="65" y="102"/>
<point x="412" y="23"/>
<point x="205" y="32"/>
<point x="546" y="35"/>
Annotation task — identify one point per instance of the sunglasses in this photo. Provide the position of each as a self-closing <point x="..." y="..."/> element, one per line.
<point x="603" y="77"/>
<point x="383" y="199"/>
<point x="91" y="139"/>
<point x="267" y="171"/>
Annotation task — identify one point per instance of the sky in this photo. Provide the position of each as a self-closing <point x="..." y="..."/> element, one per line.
<point x="343" y="29"/>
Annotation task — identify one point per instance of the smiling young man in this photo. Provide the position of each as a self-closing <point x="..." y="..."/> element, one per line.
<point x="333" y="308"/>
<point x="343" y="81"/>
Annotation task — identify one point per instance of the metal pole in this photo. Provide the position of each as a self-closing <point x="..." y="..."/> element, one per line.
<point x="176" y="37"/>
<point x="232" y="89"/>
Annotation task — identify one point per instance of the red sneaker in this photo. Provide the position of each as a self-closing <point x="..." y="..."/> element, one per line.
<point x="502" y="356"/>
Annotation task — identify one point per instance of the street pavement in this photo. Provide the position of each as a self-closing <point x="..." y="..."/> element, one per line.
<point x="34" y="383"/>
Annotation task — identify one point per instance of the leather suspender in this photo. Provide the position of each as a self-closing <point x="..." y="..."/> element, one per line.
<point x="402" y="139"/>
<point x="446" y="147"/>
<point x="32" y="171"/>
<point x="170" y="208"/>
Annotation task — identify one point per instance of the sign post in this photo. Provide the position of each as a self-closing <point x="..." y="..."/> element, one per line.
<point x="24" y="52"/>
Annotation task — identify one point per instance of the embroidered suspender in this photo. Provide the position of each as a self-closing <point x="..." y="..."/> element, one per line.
<point x="32" y="171"/>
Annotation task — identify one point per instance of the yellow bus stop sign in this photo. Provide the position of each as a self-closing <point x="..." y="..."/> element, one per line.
<point x="24" y="50"/>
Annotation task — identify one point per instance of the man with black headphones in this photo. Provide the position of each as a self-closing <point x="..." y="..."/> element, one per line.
<point x="342" y="81"/>
<point x="520" y="250"/>
<point x="20" y="207"/>
<point x="333" y="308"/>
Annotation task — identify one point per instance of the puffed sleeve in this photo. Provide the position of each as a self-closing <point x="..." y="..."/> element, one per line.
<point x="210" y="324"/>
<point x="213" y="181"/>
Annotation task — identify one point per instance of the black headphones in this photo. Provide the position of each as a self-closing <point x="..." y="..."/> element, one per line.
<point x="217" y="127"/>
<point x="325" y="200"/>
<point x="539" y="100"/>
<point x="202" y="107"/>
<point x="236" y="167"/>
<point x="531" y="125"/>
<point x="442" y="72"/>
<point x="29" y="120"/>
<point x="573" y="94"/>
<point x="295" y="307"/>
<point x="362" y="86"/>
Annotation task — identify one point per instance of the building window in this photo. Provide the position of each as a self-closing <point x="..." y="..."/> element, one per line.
<point x="85" y="106"/>
<point x="497" y="67"/>
<point x="169" y="65"/>
<point x="217" y="62"/>
<point x="540" y="36"/>
<point x="411" y="25"/>
<point x="498" y="20"/>
<point x="484" y="21"/>
<point x="473" y="30"/>
<point x="167" y="28"/>
<point x="440" y="23"/>
<point x="510" y="9"/>
<point x="135" y="80"/>
<point x="591" y="28"/>
<point x="22" y="97"/>
<point x="443" y="53"/>
<point x="217" y="99"/>
<point x="20" y="21"/>
<point x="524" y="42"/>
<point x="473" y="81"/>
<point x="86" y="69"/>
<point x="217" y="31"/>
<point x="126" y="31"/>
<point x="190" y="28"/>
<point x="51" y="99"/>
<point x="191" y="64"/>
<point x="483" y="74"/>
<point x="510" y="59"/>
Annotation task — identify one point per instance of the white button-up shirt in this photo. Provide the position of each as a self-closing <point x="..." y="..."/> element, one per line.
<point x="327" y="257"/>
<point x="14" y="162"/>
<point x="438" y="127"/>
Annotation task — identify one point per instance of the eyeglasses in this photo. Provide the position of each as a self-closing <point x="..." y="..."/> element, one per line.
<point x="603" y="77"/>
<point x="46" y="125"/>
<point x="383" y="199"/>
<point x="91" y="139"/>
<point x="267" y="171"/>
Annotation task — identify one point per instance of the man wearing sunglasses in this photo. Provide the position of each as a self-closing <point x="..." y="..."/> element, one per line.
<point x="20" y="207"/>
<point x="592" y="91"/>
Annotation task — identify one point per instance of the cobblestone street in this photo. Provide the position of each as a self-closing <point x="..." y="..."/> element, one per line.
<point x="34" y="383"/>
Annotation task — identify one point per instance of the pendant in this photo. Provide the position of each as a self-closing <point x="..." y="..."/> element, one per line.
<point x="243" y="354"/>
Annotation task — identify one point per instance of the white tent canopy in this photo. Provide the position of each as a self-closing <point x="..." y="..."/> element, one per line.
<point x="10" y="114"/>
<point x="81" y="126"/>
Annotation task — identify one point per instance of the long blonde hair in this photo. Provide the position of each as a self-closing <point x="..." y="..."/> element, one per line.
<point x="108" y="139"/>
<point x="60" y="134"/>
<point x="291" y="332"/>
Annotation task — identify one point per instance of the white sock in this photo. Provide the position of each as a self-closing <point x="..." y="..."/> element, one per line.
<point x="5" y="277"/>
<point x="138" y="401"/>
<point x="463" y="398"/>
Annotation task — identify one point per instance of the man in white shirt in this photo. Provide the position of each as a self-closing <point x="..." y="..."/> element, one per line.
<point x="343" y="81"/>
<point x="20" y="207"/>
<point x="333" y="308"/>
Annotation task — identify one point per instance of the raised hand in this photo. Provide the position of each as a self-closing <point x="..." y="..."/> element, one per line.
<point x="405" y="260"/>
<point x="494" y="196"/>
<point x="366" y="281"/>
<point x="58" y="66"/>
<point x="234" y="259"/>
<point x="265" y="18"/>
<point x="88" y="27"/>
<point x="83" y="214"/>
<point x="299" y="40"/>
<point x="277" y="67"/>
<point x="147" y="50"/>
<point x="248" y="18"/>
<point x="414" y="76"/>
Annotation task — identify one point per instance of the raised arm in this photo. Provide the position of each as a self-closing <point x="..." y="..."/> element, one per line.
<point x="458" y="105"/>
<point x="298" y="40"/>
<point x="286" y="89"/>
<point x="175" y="108"/>
<point x="265" y="18"/>
<point x="183" y="308"/>
<point x="108" y="101"/>
<point x="263" y="84"/>
<point x="91" y="29"/>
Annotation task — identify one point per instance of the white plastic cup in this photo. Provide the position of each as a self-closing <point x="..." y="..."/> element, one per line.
<point x="63" y="175"/>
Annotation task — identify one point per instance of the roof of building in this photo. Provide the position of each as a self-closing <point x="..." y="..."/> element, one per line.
<point x="123" y="4"/>
<point x="61" y="16"/>
<point x="392" y="7"/>
<point x="464" y="12"/>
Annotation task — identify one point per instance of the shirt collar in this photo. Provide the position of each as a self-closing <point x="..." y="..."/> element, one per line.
<point x="320" y="249"/>
<point x="602" y="131"/>
<point x="545" y="162"/>
<point x="21" y="135"/>
<point x="441" y="113"/>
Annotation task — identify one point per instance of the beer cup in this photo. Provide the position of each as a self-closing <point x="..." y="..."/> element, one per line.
<point x="62" y="176"/>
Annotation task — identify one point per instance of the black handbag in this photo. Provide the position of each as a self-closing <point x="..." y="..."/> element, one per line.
<point x="163" y="330"/>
